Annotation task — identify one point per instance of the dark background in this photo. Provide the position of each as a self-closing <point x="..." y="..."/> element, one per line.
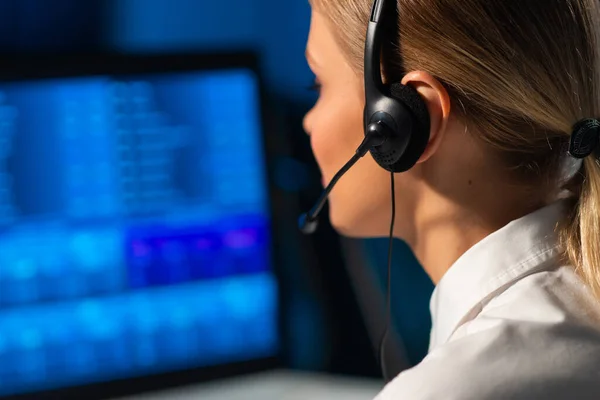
<point x="325" y="328"/>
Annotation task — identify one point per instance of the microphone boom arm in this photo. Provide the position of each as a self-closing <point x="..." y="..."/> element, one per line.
<point x="308" y="221"/>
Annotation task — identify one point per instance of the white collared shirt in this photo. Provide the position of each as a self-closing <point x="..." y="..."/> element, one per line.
<point x="509" y="322"/>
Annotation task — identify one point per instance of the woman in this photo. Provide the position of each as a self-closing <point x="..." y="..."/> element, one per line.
<point x="502" y="217"/>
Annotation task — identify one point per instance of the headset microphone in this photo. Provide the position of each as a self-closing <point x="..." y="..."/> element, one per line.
<point x="375" y="137"/>
<point x="396" y="121"/>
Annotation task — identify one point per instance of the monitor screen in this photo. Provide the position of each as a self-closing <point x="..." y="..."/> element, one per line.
<point x="134" y="227"/>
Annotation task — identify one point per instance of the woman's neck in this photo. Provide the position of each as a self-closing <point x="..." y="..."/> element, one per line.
<point x="444" y="229"/>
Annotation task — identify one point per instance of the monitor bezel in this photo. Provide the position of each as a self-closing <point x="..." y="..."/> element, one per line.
<point x="18" y="68"/>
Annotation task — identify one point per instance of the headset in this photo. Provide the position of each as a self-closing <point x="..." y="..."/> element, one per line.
<point x="396" y="128"/>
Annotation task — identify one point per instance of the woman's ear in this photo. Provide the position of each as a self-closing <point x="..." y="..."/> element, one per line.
<point x="438" y="104"/>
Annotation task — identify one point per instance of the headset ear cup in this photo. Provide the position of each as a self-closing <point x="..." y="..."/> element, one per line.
<point x="419" y="137"/>
<point x="413" y="101"/>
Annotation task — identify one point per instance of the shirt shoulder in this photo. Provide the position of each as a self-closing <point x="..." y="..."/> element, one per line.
<point x="537" y="339"/>
<point x="518" y="362"/>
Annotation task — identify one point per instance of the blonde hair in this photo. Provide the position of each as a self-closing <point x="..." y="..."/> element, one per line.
<point x="521" y="72"/>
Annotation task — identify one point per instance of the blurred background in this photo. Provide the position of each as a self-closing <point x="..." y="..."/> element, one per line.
<point x="148" y="220"/>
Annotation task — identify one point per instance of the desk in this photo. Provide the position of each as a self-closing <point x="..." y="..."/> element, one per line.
<point x="275" y="385"/>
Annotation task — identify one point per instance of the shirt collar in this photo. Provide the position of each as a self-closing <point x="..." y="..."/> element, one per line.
<point x="519" y="248"/>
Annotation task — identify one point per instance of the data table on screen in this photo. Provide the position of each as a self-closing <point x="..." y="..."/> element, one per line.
<point x="134" y="227"/>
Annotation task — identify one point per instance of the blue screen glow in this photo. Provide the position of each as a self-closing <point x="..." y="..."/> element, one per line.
<point x="134" y="227"/>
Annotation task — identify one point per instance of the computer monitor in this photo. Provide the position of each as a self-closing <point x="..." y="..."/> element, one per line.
<point x="135" y="227"/>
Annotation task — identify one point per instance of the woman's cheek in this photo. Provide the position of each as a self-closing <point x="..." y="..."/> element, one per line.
<point x="320" y="143"/>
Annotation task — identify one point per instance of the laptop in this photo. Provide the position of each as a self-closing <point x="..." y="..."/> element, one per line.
<point x="136" y="235"/>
